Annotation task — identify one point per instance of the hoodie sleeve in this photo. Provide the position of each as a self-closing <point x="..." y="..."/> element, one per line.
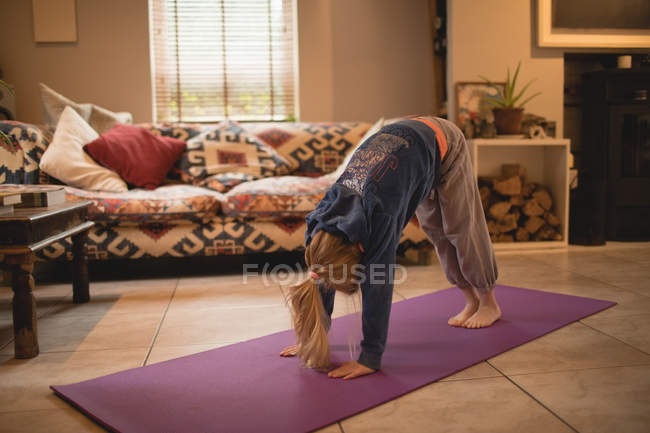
<point x="377" y="289"/>
<point x="340" y="212"/>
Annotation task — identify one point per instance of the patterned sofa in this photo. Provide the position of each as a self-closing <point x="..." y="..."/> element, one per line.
<point x="234" y="216"/>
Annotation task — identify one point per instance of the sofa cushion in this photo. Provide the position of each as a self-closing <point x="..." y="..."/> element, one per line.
<point x="166" y="203"/>
<point x="100" y="119"/>
<point x="21" y="147"/>
<point x="312" y="149"/>
<point x="181" y="130"/>
<point x="223" y="182"/>
<point x="139" y="157"/>
<point x="66" y="160"/>
<point x="277" y="196"/>
<point x="227" y="148"/>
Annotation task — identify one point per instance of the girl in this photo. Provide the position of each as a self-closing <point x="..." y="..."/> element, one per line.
<point x="417" y="166"/>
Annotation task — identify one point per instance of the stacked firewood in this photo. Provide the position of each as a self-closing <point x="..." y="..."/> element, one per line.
<point x="516" y="210"/>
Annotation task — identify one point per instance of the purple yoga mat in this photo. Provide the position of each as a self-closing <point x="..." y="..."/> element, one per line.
<point x="248" y="387"/>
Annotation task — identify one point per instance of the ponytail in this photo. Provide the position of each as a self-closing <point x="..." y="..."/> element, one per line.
<point x="310" y="323"/>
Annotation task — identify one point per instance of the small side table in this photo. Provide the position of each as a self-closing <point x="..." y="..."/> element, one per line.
<point x="23" y="233"/>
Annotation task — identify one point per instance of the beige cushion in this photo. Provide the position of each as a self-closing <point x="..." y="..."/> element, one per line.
<point x="100" y="119"/>
<point x="66" y="160"/>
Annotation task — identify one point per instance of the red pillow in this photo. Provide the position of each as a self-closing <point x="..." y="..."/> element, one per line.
<point x="139" y="157"/>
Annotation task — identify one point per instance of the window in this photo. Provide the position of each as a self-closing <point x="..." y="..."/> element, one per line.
<point x="216" y="59"/>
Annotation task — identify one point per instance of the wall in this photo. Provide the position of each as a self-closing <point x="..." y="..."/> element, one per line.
<point x="485" y="37"/>
<point x="357" y="60"/>
<point x="382" y="59"/>
<point x="108" y="65"/>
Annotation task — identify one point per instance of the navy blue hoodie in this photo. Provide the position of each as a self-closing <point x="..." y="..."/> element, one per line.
<point x="371" y="203"/>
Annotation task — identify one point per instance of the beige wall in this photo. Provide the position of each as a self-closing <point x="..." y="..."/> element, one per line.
<point x="108" y="65"/>
<point x="382" y="59"/>
<point x="487" y="36"/>
<point x="358" y="60"/>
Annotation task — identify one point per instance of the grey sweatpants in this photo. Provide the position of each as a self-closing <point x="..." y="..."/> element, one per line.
<point x="452" y="218"/>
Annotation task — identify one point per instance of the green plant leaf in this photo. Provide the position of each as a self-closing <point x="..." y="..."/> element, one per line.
<point x="514" y="83"/>
<point x="506" y="92"/>
<point x="500" y="94"/>
<point x="516" y="98"/>
<point x="494" y="101"/>
<point x="529" y="98"/>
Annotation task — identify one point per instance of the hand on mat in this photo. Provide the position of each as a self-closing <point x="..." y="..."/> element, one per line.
<point x="289" y="351"/>
<point x="350" y="370"/>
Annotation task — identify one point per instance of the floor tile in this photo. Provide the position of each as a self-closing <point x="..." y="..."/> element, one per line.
<point x="119" y="299"/>
<point x="64" y="333"/>
<point x="165" y="353"/>
<point x="334" y="428"/>
<point x="219" y="325"/>
<point x="422" y="280"/>
<point x="6" y="333"/>
<point x="47" y="297"/>
<point x="24" y="383"/>
<point x="481" y="405"/>
<point x="640" y="255"/>
<point x="478" y="371"/>
<point x="597" y="400"/>
<point x="573" y="347"/>
<point x="632" y="329"/>
<point x="196" y="293"/>
<point x="64" y="420"/>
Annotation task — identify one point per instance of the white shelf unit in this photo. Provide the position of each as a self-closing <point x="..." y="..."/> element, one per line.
<point x="546" y="162"/>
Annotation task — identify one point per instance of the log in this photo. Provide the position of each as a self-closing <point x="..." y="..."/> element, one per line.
<point x="532" y="208"/>
<point x="510" y="170"/>
<point x="543" y="197"/>
<point x="517" y="200"/>
<point x="486" y="195"/>
<point x="522" y="235"/>
<point x="484" y="181"/>
<point x="528" y="189"/>
<point x="548" y="233"/>
<point x="492" y="227"/>
<point x="508" y="186"/>
<point x="551" y="219"/>
<point x="505" y="238"/>
<point x="533" y="224"/>
<point x="508" y="223"/>
<point x="500" y="209"/>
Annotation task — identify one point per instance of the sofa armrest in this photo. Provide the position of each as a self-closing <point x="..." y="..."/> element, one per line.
<point x="21" y="148"/>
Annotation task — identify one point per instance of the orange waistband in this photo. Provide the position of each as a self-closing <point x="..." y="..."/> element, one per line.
<point x="440" y="137"/>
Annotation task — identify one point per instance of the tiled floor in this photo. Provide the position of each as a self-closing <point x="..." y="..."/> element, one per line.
<point x="591" y="376"/>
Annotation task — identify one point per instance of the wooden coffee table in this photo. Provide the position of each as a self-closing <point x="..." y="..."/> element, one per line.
<point x="23" y="233"/>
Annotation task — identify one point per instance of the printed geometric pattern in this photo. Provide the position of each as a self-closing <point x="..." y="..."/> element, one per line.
<point x="21" y="148"/>
<point x="275" y="137"/>
<point x="186" y="220"/>
<point x="374" y="153"/>
<point x="218" y="236"/>
<point x="227" y="148"/>
<point x="312" y="149"/>
<point x="182" y="131"/>
<point x="276" y="196"/>
<point x="165" y="203"/>
<point x="223" y="182"/>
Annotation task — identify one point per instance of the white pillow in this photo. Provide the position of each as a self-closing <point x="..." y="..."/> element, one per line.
<point x="66" y="160"/>
<point x="100" y="119"/>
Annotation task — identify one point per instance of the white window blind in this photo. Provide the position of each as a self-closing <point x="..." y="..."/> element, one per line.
<point x="216" y="59"/>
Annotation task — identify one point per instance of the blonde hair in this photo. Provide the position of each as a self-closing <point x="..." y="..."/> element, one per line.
<point x="332" y="258"/>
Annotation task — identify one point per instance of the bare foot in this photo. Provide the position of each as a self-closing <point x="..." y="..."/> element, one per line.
<point x="488" y="312"/>
<point x="471" y="305"/>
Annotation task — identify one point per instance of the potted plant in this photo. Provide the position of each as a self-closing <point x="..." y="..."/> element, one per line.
<point x="507" y="108"/>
